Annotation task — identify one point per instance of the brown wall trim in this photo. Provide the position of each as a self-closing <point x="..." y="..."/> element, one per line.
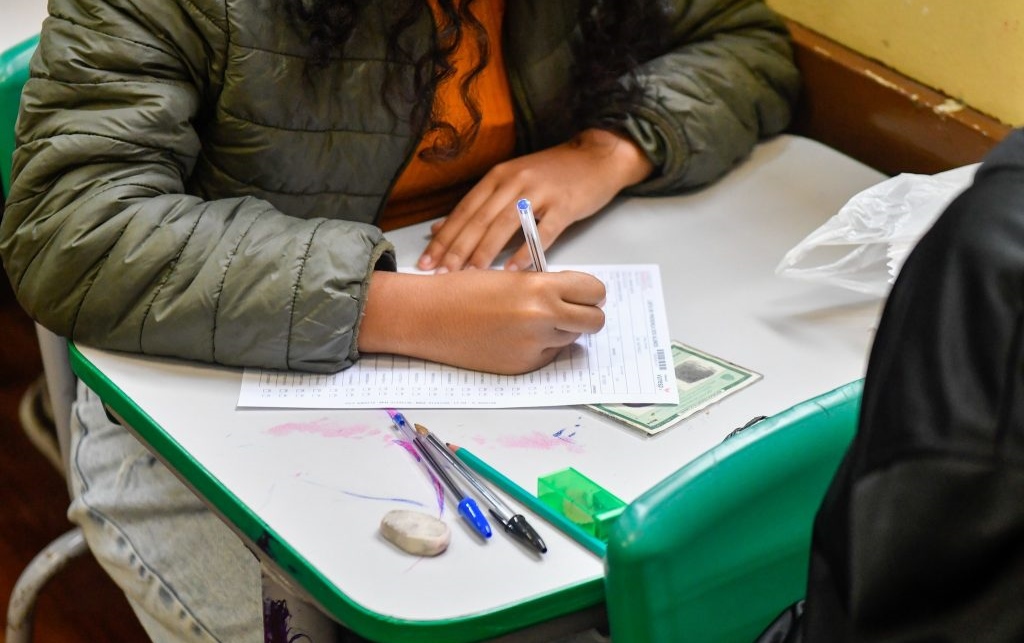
<point x="880" y="117"/>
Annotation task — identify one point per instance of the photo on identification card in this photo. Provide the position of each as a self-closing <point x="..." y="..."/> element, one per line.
<point x="702" y="380"/>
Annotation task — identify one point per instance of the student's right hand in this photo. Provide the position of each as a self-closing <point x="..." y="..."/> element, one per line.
<point x="487" y="320"/>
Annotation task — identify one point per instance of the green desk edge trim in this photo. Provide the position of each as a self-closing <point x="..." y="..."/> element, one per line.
<point x="13" y="74"/>
<point x="366" y="623"/>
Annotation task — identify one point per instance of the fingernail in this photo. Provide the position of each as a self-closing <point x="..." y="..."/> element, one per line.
<point x="441" y="270"/>
<point x="512" y="267"/>
<point x="425" y="262"/>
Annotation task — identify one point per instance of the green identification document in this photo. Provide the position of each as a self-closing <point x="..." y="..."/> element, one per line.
<point x="702" y="380"/>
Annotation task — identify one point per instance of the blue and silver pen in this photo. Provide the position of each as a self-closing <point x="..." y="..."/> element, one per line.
<point x="529" y="223"/>
<point x="467" y="507"/>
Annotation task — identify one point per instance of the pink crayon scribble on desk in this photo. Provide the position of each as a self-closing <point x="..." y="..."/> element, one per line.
<point x="537" y="441"/>
<point x="325" y="427"/>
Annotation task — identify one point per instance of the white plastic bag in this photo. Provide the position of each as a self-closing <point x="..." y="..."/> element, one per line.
<point x="864" y="245"/>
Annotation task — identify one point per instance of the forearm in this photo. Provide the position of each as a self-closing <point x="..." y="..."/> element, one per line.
<point x="393" y="314"/>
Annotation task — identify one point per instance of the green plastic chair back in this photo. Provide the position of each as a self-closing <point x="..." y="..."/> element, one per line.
<point x="718" y="549"/>
<point x="13" y="74"/>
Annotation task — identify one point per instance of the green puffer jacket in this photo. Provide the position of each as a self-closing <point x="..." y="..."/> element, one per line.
<point x="185" y="185"/>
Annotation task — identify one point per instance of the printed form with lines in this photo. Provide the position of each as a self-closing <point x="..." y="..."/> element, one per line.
<point x="627" y="362"/>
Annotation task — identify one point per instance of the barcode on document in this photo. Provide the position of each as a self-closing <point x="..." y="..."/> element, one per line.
<point x="662" y="360"/>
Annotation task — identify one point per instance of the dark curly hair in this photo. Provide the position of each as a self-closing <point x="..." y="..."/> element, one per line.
<point x="616" y="36"/>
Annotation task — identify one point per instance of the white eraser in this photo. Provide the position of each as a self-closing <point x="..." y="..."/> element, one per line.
<point x="415" y="532"/>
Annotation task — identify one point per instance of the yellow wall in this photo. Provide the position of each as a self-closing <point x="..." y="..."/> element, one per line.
<point x="970" y="50"/>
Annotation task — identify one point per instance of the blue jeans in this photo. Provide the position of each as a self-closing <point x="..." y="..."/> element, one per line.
<point x="186" y="574"/>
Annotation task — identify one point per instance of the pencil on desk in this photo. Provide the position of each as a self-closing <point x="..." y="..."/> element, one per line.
<point x="501" y="481"/>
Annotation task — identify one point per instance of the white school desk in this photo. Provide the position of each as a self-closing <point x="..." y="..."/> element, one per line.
<point x="308" y="487"/>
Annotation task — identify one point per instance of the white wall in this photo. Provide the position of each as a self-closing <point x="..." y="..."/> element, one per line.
<point x="19" y="19"/>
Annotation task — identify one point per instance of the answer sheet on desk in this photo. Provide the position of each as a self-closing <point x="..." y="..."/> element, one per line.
<point x="628" y="361"/>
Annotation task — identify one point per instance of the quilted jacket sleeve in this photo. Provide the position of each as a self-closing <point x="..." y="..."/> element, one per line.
<point x="728" y="80"/>
<point x="101" y="241"/>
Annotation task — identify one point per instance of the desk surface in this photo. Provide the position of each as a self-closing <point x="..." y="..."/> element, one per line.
<point x="309" y="487"/>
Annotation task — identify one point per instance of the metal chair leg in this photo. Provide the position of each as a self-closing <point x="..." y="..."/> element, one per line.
<point x="38" y="427"/>
<point x="46" y="564"/>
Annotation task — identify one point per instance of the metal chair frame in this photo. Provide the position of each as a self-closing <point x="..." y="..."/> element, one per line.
<point x="55" y="389"/>
<point x="58" y="387"/>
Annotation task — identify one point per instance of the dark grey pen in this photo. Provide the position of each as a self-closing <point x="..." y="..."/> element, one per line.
<point x="515" y="524"/>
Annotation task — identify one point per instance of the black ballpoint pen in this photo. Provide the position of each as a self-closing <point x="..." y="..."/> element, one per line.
<point x="515" y="524"/>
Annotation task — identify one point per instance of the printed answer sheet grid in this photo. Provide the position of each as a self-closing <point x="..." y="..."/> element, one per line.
<point x="626" y="362"/>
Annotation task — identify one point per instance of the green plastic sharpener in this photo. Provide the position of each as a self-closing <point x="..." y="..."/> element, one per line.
<point x="581" y="500"/>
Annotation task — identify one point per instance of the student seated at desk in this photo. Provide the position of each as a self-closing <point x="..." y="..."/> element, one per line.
<point x="921" y="534"/>
<point x="210" y="180"/>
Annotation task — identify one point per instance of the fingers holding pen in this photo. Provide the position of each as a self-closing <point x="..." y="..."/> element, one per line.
<point x="580" y="288"/>
<point x="553" y="310"/>
<point x="582" y="296"/>
<point x="491" y="320"/>
<point x="558" y="307"/>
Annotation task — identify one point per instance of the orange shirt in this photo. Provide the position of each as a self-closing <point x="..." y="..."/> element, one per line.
<point x="431" y="189"/>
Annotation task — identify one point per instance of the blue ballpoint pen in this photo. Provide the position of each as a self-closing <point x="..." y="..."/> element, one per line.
<point x="526" y="219"/>
<point x="515" y="524"/>
<point x="467" y="507"/>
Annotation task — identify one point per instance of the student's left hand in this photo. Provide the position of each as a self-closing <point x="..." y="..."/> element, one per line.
<point x="565" y="184"/>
